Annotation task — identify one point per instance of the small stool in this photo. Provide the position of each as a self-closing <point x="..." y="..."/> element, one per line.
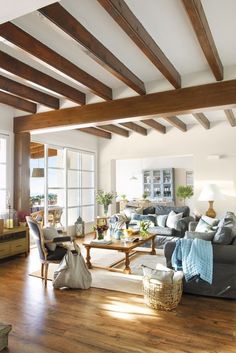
<point x="4" y="331"/>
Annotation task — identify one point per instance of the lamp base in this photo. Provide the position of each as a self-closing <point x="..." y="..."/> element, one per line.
<point x="210" y="212"/>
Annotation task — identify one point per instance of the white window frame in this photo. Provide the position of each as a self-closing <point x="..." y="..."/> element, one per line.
<point x="9" y="165"/>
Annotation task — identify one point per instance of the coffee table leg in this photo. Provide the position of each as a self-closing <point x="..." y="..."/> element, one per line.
<point x="153" y="251"/>
<point x="88" y="258"/>
<point x="127" y="262"/>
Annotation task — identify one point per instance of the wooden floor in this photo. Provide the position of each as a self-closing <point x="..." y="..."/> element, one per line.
<point x="50" y="321"/>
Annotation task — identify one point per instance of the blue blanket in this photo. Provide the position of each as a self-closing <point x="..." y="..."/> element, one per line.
<point x="195" y="258"/>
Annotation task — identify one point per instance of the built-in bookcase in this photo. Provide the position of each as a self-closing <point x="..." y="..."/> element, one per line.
<point x="158" y="184"/>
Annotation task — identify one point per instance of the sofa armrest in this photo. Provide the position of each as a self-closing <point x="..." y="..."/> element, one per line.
<point x="182" y="224"/>
<point x="192" y="226"/>
<point x="225" y="254"/>
<point x="168" y="251"/>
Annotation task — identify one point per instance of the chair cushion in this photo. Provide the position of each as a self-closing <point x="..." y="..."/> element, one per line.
<point x="50" y="233"/>
<point x="57" y="254"/>
<point x="173" y="219"/>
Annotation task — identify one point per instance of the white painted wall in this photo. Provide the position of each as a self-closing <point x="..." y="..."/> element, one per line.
<point x="220" y="140"/>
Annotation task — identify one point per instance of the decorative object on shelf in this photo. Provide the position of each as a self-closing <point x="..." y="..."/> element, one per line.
<point x="144" y="225"/>
<point x="79" y="227"/>
<point x="211" y="193"/>
<point x="184" y="192"/>
<point x="105" y="199"/>
<point x="21" y="217"/>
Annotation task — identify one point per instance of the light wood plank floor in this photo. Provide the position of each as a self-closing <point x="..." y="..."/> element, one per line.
<point x="52" y="321"/>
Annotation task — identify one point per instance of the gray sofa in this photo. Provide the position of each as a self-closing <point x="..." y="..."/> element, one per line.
<point x="165" y="234"/>
<point x="223" y="240"/>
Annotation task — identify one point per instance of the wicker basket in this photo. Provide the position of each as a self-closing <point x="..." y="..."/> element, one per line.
<point x="4" y="331"/>
<point x="162" y="296"/>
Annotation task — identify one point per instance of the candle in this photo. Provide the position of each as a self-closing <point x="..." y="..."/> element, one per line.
<point x="9" y="223"/>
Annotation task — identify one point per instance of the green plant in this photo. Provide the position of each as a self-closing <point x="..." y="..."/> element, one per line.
<point x="123" y="197"/>
<point x="144" y="225"/>
<point x="184" y="192"/>
<point x="145" y="195"/>
<point x="105" y="199"/>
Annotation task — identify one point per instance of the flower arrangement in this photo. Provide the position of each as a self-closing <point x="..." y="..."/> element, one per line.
<point x="144" y="225"/>
<point x="105" y="199"/>
<point x="21" y="215"/>
<point x="100" y="229"/>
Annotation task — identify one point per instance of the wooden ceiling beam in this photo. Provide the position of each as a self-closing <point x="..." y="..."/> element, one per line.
<point x="155" y="125"/>
<point x="201" y="27"/>
<point x="135" y="127"/>
<point x="230" y="116"/>
<point x="96" y="132"/>
<point x="212" y="96"/>
<point x="202" y="119"/>
<point x="17" y="102"/>
<point x="27" y="72"/>
<point x="20" y="38"/>
<point x="27" y="92"/>
<point x="176" y="122"/>
<point x="125" y="18"/>
<point x="96" y="50"/>
<point x="115" y="130"/>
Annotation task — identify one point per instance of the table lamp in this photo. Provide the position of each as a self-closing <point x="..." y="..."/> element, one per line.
<point x="211" y="193"/>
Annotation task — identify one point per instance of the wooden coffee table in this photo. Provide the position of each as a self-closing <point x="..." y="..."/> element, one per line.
<point x="126" y="247"/>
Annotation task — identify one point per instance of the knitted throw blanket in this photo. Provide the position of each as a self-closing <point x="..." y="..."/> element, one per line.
<point x="195" y="258"/>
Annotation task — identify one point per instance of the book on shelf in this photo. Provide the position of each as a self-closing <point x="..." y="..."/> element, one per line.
<point x="100" y="241"/>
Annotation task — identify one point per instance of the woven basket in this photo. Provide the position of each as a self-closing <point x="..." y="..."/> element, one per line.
<point x="162" y="296"/>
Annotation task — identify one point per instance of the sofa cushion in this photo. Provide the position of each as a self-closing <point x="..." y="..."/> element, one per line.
<point x="149" y="210"/>
<point x="203" y="227"/>
<point x="140" y="217"/>
<point x="225" y="233"/>
<point x="160" y="209"/>
<point x="161" y="220"/>
<point x="204" y="236"/>
<point x="162" y="231"/>
<point x="173" y="219"/>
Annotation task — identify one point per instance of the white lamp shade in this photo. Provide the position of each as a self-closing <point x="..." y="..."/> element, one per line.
<point x="211" y="192"/>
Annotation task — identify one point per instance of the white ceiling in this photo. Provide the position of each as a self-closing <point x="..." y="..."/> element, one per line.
<point x="165" y="20"/>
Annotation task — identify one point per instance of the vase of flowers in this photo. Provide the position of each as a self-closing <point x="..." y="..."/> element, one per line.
<point x="144" y="225"/>
<point x="100" y="229"/>
<point x="105" y="199"/>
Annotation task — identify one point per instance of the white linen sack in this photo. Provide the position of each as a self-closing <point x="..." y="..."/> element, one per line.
<point x="72" y="272"/>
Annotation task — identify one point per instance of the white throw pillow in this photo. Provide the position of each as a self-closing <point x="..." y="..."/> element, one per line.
<point x="173" y="219"/>
<point x="212" y="221"/>
<point x="50" y="233"/>
<point x="206" y="224"/>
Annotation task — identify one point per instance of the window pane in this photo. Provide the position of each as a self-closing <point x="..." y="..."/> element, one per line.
<point x="2" y="176"/>
<point x="73" y="214"/>
<point x="2" y="200"/>
<point x="87" y="196"/>
<point x="73" y="197"/>
<point x="73" y="178"/>
<point x="87" y="179"/>
<point x="73" y="160"/>
<point x="56" y="178"/>
<point x="56" y="197"/>
<point x="3" y="144"/>
<point x="87" y="161"/>
<point x="88" y="214"/>
<point x="55" y="161"/>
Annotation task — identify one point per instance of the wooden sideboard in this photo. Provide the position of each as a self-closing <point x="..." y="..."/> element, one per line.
<point x="14" y="241"/>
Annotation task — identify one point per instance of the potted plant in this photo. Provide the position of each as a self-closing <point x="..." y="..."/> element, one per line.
<point x="105" y="199"/>
<point x="184" y="192"/>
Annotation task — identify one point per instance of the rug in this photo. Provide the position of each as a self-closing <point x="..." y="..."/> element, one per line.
<point x="115" y="281"/>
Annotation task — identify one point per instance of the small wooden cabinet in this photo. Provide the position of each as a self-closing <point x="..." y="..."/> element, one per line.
<point x="14" y="241"/>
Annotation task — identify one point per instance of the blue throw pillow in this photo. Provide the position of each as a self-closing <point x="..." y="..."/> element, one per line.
<point x="140" y="217"/>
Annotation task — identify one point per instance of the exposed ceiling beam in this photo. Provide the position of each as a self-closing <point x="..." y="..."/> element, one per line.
<point x="17" y="102"/>
<point x="155" y="125"/>
<point x="27" y="72"/>
<point x="64" y="20"/>
<point x="115" y="130"/>
<point x="176" y="122"/>
<point x="135" y="128"/>
<point x="34" y="47"/>
<point x="27" y="92"/>
<point x="202" y="119"/>
<point x="96" y="132"/>
<point x="230" y="116"/>
<point x="212" y="96"/>
<point x="201" y="27"/>
<point x="122" y="14"/>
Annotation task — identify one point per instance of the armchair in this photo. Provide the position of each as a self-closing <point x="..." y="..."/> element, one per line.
<point x="46" y="256"/>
